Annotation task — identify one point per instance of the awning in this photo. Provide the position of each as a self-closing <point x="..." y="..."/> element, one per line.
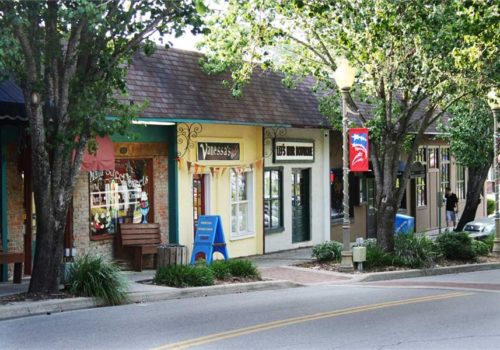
<point x="11" y="102"/>
<point x="104" y="159"/>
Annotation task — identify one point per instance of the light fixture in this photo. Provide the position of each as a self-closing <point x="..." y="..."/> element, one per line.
<point x="344" y="74"/>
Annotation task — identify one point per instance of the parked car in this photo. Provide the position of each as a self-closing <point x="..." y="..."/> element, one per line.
<point x="480" y="228"/>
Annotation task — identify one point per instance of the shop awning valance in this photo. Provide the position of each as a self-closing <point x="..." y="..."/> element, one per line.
<point x="104" y="159"/>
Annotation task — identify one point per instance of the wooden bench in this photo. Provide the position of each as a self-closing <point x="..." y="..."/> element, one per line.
<point x="14" y="258"/>
<point x="140" y="239"/>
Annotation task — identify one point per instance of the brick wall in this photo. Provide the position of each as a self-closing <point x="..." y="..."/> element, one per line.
<point x="15" y="207"/>
<point x="81" y="211"/>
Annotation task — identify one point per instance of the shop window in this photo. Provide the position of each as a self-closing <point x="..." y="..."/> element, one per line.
<point x="421" y="180"/>
<point x="337" y="196"/>
<point x="273" y="200"/>
<point x="119" y="196"/>
<point x="444" y="165"/>
<point x="421" y="191"/>
<point x="433" y="157"/>
<point x="241" y="204"/>
<point x="460" y="181"/>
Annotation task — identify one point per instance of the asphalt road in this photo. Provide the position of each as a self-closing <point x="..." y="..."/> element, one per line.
<point x="424" y="313"/>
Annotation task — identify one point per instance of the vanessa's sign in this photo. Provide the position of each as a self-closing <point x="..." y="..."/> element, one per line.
<point x="218" y="151"/>
<point x="293" y="151"/>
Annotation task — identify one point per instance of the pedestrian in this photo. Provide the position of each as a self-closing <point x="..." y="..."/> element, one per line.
<point x="451" y="207"/>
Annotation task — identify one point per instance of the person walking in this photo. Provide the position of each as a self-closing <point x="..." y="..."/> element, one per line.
<point x="451" y="207"/>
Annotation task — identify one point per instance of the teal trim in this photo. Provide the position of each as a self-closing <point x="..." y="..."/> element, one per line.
<point x="3" y="179"/>
<point x="143" y="133"/>
<point x="206" y="121"/>
<point x="173" y="186"/>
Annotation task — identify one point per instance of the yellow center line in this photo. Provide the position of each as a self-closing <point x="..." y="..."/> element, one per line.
<point x="295" y="320"/>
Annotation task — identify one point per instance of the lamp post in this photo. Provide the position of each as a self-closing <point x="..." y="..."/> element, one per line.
<point x="344" y="77"/>
<point x="494" y="102"/>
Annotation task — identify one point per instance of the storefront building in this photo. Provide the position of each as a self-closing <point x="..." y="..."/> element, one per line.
<point x="435" y="169"/>
<point x="296" y="192"/>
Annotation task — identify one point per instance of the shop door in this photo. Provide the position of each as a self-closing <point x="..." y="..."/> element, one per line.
<point x="300" y="205"/>
<point x="371" y="219"/>
<point x="199" y="197"/>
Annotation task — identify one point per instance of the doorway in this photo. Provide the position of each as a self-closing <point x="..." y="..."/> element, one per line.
<point x="301" y="230"/>
<point x="200" y="196"/>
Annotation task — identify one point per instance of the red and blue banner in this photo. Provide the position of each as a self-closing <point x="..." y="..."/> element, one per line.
<point x="358" y="149"/>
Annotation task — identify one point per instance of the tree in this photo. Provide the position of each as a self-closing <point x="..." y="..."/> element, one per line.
<point x="470" y="134"/>
<point x="70" y="58"/>
<point x="414" y="59"/>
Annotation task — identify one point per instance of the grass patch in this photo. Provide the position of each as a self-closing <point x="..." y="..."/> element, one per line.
<point x="92" y="276"/>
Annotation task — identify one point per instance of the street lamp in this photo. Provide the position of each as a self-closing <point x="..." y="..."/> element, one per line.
<point x="494" y="102"/>
<point x="344" y="77"/>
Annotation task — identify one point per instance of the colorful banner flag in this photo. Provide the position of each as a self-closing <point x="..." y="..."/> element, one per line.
<point x="358" y="149"/>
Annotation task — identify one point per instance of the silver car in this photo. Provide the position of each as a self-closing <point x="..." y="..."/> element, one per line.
<point x="480" y="228"/>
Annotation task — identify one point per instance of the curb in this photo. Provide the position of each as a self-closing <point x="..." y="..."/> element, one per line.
<point x="32" y="308"/>
<point x="392" y="275"/>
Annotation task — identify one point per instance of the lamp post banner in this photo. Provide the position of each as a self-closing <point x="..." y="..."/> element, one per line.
<point x="358" y="149"/>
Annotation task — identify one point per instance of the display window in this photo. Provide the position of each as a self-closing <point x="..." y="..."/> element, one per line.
<point x="123" y="195"/>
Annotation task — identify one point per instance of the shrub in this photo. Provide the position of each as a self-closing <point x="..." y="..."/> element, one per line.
<point x="490" y="206"/>
<point x="327" y="251"/>
<point x="490" y="241"/>
<point x="377" y="257"/>
<point x="456" y="246"/>
<point x="92" y="276"/>
<point x="182" y="276"/>
<point x="220" y="269"/>
<point x="415" y="251"/>
<point x="480" y="248"/>
<point x="243" y="268"/>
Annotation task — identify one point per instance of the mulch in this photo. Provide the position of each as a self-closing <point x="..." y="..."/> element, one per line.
<point x="335" y="266"/>
<point x="21" y="297"/>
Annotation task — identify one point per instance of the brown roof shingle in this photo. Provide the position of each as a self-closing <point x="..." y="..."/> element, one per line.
<point x="177" y="89"/>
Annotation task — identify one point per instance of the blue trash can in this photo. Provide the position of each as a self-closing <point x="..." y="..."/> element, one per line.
<point x="404" y="224"/>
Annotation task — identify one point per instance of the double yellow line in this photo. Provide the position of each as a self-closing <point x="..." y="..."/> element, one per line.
<point x="294" y="320"/>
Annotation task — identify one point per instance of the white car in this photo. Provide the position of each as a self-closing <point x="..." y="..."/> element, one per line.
<point x="480" y="228"/>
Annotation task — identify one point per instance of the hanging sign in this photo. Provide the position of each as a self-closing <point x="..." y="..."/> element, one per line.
<point x="218" y="151"/>
<point x="293" y="151"/>
<point x="209" y="238"/>
<point x="358" y="149"/>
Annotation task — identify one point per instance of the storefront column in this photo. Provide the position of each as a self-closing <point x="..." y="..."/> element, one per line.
<point x="173" y="187"/>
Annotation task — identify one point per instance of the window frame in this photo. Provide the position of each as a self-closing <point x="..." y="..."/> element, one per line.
<point x="250" y="230"/>
<point x="444" y="164"/>
<point x="280" y="227"/>
<point x="460" y="185"/>
<point x="421" y="181"/>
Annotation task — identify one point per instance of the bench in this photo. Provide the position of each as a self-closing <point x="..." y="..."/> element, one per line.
<point x="140" y="239"/>
<point x="14" y="258"/>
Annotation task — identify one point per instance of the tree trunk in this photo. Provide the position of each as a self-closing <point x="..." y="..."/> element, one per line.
<point x="51" y="208"/>
<point x="475" y="185"/>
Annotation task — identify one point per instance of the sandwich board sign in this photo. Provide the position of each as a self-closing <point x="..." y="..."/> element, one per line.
<point x="209" y="238"/>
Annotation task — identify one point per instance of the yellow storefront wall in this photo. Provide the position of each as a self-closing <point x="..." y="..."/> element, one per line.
<point x="219" y="197"/>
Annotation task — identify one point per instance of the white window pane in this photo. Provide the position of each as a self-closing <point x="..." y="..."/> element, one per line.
<point x="242" y="187"/>
<point x="267" y="184"/>
<point x="243" y="217"/>
<point x="234" y="219"/>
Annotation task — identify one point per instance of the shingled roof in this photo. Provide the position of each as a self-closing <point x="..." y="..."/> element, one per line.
<point x="177" y="89"/>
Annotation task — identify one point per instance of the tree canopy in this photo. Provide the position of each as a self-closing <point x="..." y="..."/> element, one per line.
<point x="71" y="58"/>
<point x="413" y="58"/>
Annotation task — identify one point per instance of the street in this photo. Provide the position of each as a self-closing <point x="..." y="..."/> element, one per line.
<point x="405" y="314"/>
